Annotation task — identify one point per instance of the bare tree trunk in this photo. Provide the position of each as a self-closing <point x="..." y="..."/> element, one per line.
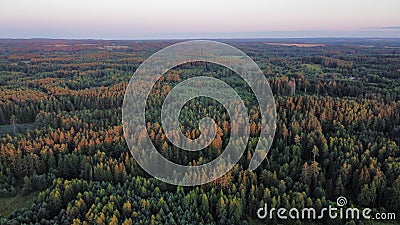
<point x="13" y="123"/>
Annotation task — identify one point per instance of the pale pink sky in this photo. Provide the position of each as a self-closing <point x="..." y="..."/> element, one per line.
<point x="130" y="19"/>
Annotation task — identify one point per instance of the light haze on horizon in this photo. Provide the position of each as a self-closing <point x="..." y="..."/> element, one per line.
<point x="153" y="19"/>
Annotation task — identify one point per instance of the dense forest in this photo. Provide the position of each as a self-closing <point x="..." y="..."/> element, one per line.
<point x="64" y="156"/>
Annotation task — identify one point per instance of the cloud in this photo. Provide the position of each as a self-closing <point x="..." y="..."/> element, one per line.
<point x="384" y="28"/>
<point x="391" y="28"/>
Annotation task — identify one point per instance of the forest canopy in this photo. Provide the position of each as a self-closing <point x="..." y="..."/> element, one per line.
<point x="338" y="133"/>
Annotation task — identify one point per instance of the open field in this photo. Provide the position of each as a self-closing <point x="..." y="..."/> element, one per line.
<point x="7" y="205"/>
<point x="19" y="128"/>
<point x="301" y="45"/>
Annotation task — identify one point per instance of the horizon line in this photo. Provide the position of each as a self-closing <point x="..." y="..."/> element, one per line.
<point x="205" y="38"/>
<point x="273" y="34"/>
